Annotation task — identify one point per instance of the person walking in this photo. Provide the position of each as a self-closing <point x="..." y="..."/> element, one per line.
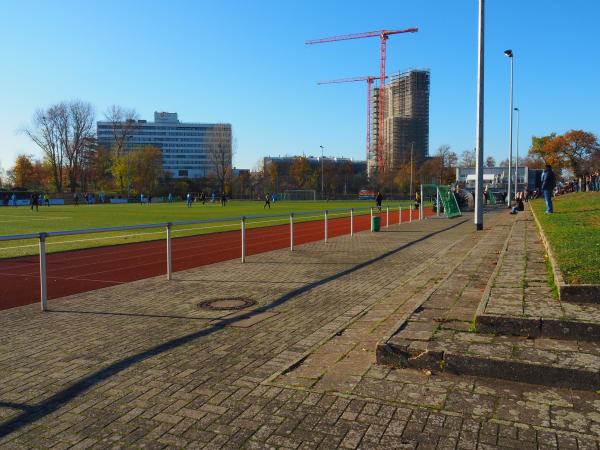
<point x="188" y="199"/>
<point x="76" y="199"/>
<point x="203" y="197"/>
<point x="548" y="185"/>
<point x="267" y="201"/>
<point x="46" y="200"/>
<point x="35" y="201"/>
<point x="223" y="198"/>
<point x="13" y="198"/>
<point x="378" y="200"/>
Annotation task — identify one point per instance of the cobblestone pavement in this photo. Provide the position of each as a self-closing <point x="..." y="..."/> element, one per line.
<point x="141" y="366"/>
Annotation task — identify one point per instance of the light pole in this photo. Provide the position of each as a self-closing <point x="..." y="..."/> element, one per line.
<point x="517" y="156"/>
<point x="127" y="149"/>
<point x="509" y="54"/>
<point x="411" y="170"/>
<point x="322" y="179"/>
<point x="479" y="133"/>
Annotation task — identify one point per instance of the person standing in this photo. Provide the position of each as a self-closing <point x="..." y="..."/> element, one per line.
<point x="548" y="185"/>
<point x="378" y="200"/>
<point x="223" y="198"/>
<point x="267" y="201"/>
<point x="46" y="200"/>
<point x="203" y="197"/>
<point x="188" y="199"/>
<point x="76" y="199"/>
<point x="14" y="199"/>
<point x="35" y="201"/>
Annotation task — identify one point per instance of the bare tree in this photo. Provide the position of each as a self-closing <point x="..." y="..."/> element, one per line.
<point x="78" y="134"/>
<point x="468" y="158"/>
<point x="220" y="152"/>
<point x="45" y="133"/>
<point x="490" y="162"/>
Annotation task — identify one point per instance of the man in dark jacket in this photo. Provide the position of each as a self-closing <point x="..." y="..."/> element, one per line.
<point x="548" y="185"/>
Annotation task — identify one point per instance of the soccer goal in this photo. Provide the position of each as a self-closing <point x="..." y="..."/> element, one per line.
<point x="442" y="199"/>
<point x="299" y="194"/>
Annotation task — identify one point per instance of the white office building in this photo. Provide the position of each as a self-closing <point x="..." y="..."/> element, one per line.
<point x="184" y="146"/>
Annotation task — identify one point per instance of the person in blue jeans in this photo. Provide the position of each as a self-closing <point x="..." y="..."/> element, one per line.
<point x="548" y="185"/>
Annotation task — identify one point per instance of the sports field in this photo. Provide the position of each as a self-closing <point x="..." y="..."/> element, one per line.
<point x="56" y="218"/>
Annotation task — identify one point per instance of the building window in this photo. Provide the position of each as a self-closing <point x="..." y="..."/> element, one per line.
<point x="183" y="173"/>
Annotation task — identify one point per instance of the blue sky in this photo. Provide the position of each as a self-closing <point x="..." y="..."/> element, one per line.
<point x="246" y="63"/>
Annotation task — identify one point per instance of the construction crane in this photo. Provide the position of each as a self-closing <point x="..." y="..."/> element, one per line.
<point x="383" y="35"/>
<point x="369" y="79"/>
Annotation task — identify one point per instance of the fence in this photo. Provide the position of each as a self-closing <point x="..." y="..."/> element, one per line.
<point x="293" y="217"/>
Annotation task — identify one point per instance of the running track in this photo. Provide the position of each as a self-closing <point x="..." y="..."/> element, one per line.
<point x="85" y="270"/>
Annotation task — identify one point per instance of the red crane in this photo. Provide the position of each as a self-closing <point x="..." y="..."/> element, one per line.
<point x="383" y="35"/>
<point x="369" y="79"/>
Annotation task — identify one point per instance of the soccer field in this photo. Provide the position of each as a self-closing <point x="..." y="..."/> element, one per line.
<point x="57" y="218"/>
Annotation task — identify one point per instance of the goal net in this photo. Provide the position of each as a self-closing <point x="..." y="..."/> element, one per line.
<point x="299" y="194"/>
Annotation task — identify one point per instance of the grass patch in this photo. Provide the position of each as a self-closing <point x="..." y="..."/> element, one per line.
<point x="22" y="220"/>
<point x="574" y="235"/>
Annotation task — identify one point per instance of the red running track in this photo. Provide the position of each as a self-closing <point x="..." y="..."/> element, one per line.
<point x="78" y="271"/>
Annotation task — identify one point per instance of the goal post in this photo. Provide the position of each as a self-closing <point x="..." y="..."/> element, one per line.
<point x="299" y="194"/>
<point x="441" y="197"/>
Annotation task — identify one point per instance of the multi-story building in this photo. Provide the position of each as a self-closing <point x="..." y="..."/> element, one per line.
<point x="186" y="147"/>
<point x="406" y="121"/>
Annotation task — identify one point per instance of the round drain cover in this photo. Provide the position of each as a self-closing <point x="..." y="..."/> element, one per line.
<point x="226" y="304"/>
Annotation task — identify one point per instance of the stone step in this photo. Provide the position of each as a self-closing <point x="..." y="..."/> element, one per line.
<point x="550" y="362"/>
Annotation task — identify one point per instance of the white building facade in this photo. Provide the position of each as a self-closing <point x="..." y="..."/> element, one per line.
<point x="185" y="147"/>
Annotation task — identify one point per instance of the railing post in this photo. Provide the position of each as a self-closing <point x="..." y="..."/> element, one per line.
<point x="421" y="210"/>
<point x="371" y="225"/>
<point x="400" y="215"/>
<point x="169" y="266"/>
<point x="43" y="291"/>
<point x="243" y="232"/>
<point x="326" y="226"/>
<point x="291" y="232"/>
<point x="410" y="210"/>
<point x="351" y="222"/>
<point x="387" y="216"/>
<point x="437" y="201"/>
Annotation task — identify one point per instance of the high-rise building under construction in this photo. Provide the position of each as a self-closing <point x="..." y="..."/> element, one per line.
<point x="406" y="121"/>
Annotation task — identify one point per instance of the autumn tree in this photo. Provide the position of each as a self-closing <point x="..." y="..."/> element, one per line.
<point x="123" y="123"/>
<point x="146" y="168"/>
<point x="574" y="150"/>
<point x="300" y="172"/>
<point x="446" y="161"/>
<point x="28" y="173"/>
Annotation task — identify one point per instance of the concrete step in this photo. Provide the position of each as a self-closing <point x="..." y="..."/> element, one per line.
<point x="550" y="362"/>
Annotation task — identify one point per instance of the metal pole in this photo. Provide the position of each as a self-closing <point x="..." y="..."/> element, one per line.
<point x="243" y="232"/>
<point x="322" y="179"/>
<point x="43" y="291"/>
<point x="517" y="155"/>
<point x="479" y="133"/>
<point x="292" y="232"/>
<point x="371" y="219"/>
<point x="411" y="170"/>
<point x="400" y="215"/>
<point x="410" y="210"/>
<point x="169" y="266"/>
<point x="510" y="133"/>
<point x="421" y="212"/>
<point x="387" y="216"/>
<point x="325" y="225"/>
<point x="351" y="221"/>
<point x="437" y="201"/>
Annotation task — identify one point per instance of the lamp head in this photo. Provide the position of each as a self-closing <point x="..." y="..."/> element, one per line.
<point x="508" y="53"/>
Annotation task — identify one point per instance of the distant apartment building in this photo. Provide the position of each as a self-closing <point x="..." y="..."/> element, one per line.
<point x="185" y="146"/>
<point x="406" y="121"/>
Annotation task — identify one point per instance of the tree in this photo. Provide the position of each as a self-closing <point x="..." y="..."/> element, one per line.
<point x="574" y="150"/>
<point x="146" y="168"/>
<point x="468" y="158"/>
<point x="220" y="153"/>
<point x="446" y="160"/>
<point x="64" y="131"/>
<point x="490" y="162"/>
<point x="29" y="174"/>
<point x="123" y="123"/>
<point x="300" y="172"/>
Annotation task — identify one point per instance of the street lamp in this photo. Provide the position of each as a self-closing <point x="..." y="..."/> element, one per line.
<point x="479" y="131"/>
<point x="509" y="54"/>
<point x="517" y="157"/>
<point x="322" y="179"/>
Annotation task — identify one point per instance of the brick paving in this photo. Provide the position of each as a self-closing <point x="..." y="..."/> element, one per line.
<point x="141" y="366"/>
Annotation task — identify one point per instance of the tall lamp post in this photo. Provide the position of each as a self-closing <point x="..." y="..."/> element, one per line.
<point x="509" y="54"/>
<point x="517" y="156"/>
<point x="479" y="133"/>
<point x="322" y="179"/>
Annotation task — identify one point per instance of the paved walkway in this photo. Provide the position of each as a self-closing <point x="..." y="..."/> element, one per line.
<point x="141" y="365"/>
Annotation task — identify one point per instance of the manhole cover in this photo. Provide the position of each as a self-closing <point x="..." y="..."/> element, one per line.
<point x="226" y="304"/>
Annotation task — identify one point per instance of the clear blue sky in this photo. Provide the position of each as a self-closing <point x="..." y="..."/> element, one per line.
<point x="246" y="63"/>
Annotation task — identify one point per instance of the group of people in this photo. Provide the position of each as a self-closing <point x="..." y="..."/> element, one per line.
<point x="189" y="198"/>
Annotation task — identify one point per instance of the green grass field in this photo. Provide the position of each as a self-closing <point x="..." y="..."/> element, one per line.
<point x="574" y="234"/>
<point x="56" y="218"/>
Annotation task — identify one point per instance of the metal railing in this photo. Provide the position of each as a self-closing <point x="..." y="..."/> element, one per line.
<point x="42" y="236"/>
